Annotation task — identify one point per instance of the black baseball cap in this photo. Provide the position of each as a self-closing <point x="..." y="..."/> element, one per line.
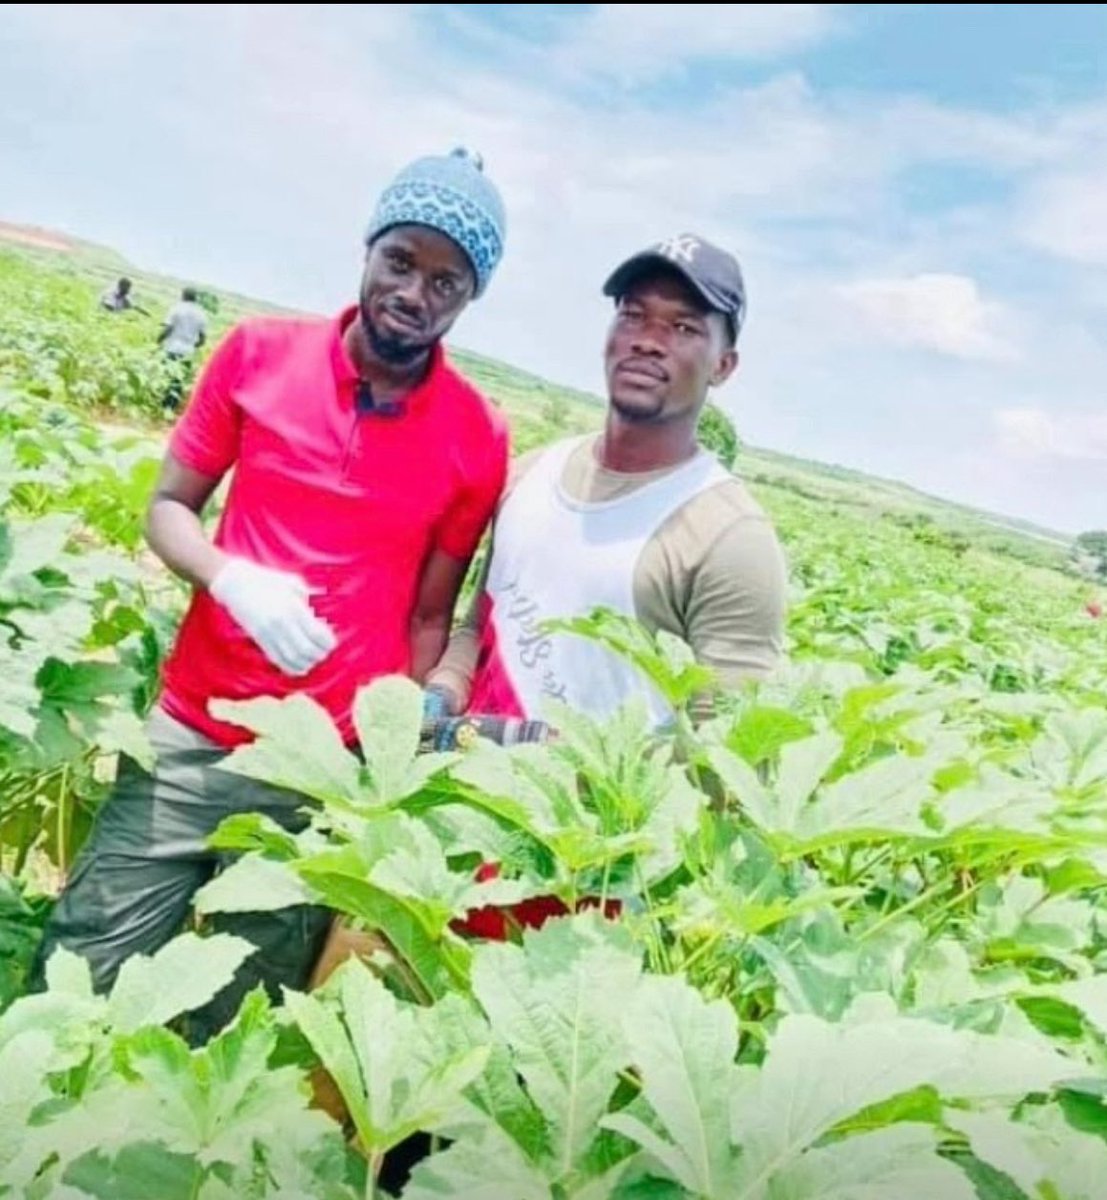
<point x="714" y="274"/>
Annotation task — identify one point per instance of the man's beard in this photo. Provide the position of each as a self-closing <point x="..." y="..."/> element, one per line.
<point x="397" y="352"/>
<point x="639" y="416"/>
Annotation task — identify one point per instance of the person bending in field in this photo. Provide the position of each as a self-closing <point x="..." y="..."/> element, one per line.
<point x="365" y="471"/>
<point x="120" y="298"/>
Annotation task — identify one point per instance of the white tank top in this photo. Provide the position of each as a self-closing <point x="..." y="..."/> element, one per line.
<point x="555" y="556"/>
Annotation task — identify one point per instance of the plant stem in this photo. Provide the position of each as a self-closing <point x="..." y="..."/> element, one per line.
<point x="63" y="817"/>
<point x="375" y="1161"/>
<point x="706" y="945"/>
<point x="660" y="959"/>
<point x="604" y="886"/>
<point x="920" y="899"/>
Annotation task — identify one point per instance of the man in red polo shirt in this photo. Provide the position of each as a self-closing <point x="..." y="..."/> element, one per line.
<point x="365" y="471"/>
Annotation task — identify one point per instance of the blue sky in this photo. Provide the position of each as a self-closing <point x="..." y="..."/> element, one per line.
<point x="918" y="194"/>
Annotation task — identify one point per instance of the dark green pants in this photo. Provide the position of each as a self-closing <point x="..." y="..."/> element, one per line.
<point x="132" y="885"/>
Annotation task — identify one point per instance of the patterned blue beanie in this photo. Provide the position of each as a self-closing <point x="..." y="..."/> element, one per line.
<point x="450" y="194"/>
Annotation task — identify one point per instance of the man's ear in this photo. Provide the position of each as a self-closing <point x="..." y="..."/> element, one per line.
<point x="725" y="367"/>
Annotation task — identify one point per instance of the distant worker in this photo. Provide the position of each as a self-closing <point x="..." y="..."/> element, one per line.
<point x="117" y="298"/>
<point x="184" y="331"/>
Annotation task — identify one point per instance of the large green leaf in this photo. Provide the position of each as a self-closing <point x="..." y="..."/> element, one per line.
<point x="253" y="883"/>
<point x="761" y="731"/>
<point x="901" y="1161"/>
<point x="388" y="716"/>
<point x="24" y="1062"/>
<point x="1089" y="996"/>
<point x="438" y="959"/>
<point x="685" y="1050"/>
<point x="121" y="731"/>
<point x="183" y="975"/>
<point x="803" y="766"/>
<point x="139" y="1171"/>
<point x="881" y="800"/>
<point x="525" y="787"/>
<point x="1017" y="919"/>
<point x="417" y="869"/>
<point x="558" y="1002"/>
<point x="485" y="1169"/>
<point x="386" y="1059"/>
<point x="673" y="817"/>
<point x="817" y="1075"/>
<point x="255" y="831"/>
<point x="221" y="1102"/>
<point x="666" y="661"/>
<point x="298" y="747"/>
<point x="944" y="978"/>
<point x="68" y="1011"/>
<point x="497" y="1095"/>
<point x="75" y="686"/>
<point x="885" y="798"/>
<point x="218" y="1107"/>
<point x="1073" y="750"/>
<point x="1046" y="1157"/>
<point x="35" y="545"/>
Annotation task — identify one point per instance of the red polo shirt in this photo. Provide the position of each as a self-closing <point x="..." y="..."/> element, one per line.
<point x="350" y="501"/>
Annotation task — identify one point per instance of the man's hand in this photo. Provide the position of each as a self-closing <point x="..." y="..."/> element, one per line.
<point x="273" y="608"/>
<point x="438" y="703"/>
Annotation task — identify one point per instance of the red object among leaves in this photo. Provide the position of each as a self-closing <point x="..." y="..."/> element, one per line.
<point x="1094" y="609"/>
<point x="493" y="923"/>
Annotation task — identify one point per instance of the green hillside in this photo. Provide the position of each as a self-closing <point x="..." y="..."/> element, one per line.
<point x="539" y="408"/>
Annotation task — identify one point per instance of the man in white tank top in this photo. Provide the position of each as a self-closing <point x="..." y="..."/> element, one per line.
<point x="638" y="519"/>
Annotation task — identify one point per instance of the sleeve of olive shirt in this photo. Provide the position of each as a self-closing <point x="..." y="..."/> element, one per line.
<point x="723" y="588"/>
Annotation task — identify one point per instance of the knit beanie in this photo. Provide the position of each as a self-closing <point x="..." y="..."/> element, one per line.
<point x="449" y="193"/>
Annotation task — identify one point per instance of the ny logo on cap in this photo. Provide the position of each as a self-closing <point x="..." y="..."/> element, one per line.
<point x="681" y="248"/>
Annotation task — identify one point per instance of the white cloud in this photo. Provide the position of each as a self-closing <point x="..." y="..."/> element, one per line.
<point x="638" y="42"/>
<point x="245" y="147"/>
<point x="942" y="313"/>
<point x="1037" y="433"/>
<point x="1067" y="215"/>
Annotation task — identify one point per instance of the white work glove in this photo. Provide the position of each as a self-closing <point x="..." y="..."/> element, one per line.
<point x="273" y="608"/>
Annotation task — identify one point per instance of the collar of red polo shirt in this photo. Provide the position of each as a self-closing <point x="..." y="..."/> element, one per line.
<point x="346" y="373"/>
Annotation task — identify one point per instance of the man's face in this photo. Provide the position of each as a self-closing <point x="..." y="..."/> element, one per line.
<point x="416" y="283"/>
<point x="664" y="350"/>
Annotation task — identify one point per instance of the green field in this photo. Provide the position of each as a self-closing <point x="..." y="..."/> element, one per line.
<point x="535" y="405"/>
<point x="859" y="926"/>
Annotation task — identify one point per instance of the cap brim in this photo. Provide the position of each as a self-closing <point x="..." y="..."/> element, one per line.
<point x="625" y="274"/>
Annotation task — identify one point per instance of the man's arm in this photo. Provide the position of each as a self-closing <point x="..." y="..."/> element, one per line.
<point x="433" y="613"/>
<point x="273" y="607"/>
<point x="452" y="550"/>
<point x="455" y="670"/>
<point x="168" y="324"/>
<point x="453" y="674"/>
<point x="173" y="528"/>
<point x="203" y="448"/>
<point x="736" y="609"/>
